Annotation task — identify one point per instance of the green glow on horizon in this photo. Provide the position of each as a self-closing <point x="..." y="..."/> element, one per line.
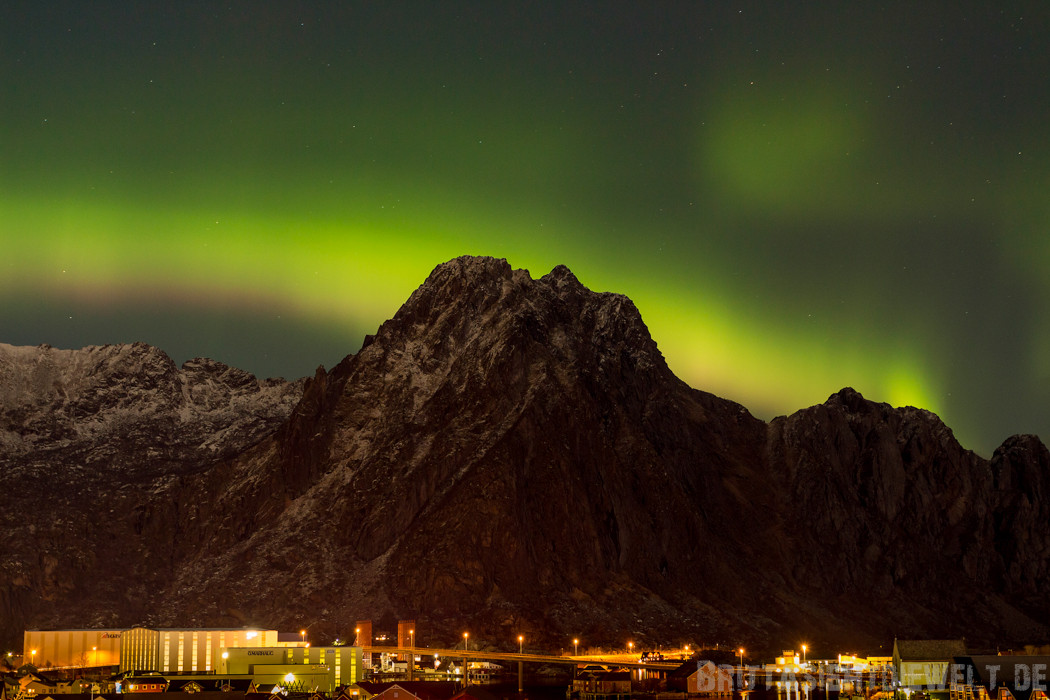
<point x="774" y="372"/>
<point x="340" y="273"/>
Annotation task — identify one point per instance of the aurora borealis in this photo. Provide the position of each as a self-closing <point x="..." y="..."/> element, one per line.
<point x="797" y="198"/>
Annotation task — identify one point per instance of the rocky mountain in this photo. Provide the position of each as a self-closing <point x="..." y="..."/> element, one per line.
<point x="88" y="439"/>
<point x="506" y="455"/>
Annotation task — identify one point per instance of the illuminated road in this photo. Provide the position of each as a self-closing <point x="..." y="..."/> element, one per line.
<point x="528" y="658"/>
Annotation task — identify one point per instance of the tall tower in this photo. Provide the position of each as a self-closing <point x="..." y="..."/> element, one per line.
<point x="363" y="633"/>
<point x="407" y="633"/>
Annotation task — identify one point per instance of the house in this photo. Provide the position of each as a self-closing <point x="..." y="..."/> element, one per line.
<point x="37" y="685"/>
<point x="142" y="683"/>
<point x="9" y="686"/>
<point x="584" y="679"/>
<point x="701" y="678"/>
<point x="678" y="679"/>
<point x="406" y="690"/>
<point x="922" y="664"/>
<point x="709" y="679"/>
<point x="238" y="685"/>
<point x="603" y="685"/>
<point x="183" y="686"/>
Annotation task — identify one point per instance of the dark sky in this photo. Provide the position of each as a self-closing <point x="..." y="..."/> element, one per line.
<point x="797" y="196"/>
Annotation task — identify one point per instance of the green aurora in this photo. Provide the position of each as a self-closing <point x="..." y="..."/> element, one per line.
<point x="796" y="200"/>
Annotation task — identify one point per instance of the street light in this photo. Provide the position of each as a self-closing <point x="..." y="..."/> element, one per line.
<point x="225" y="668"/>
<point x="521" y="640"/>
<point x="741" y="652"/>
<point x="466" y="673"/>
<point x="357" y="636"/>
<point x="302" y="633"/>
<point x="412" y="653"/>
<point x="630" y="648"/>
<point x="576" y="647"/>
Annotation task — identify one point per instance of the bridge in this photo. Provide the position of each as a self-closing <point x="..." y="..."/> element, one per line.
<point x="479" y="655"/>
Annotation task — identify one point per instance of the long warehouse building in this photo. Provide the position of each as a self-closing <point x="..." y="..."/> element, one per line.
<point x="140" y="648"/>
<point x="245" y="652"/>
<point x="71" y="648"/>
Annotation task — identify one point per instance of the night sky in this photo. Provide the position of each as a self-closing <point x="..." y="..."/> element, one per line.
<point x="798" y="196"/>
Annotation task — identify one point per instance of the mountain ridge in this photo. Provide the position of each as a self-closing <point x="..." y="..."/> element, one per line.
<point x="514" y="454"/>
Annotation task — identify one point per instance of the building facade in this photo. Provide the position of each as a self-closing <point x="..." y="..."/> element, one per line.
<point x="71" y="648"/>
<point x="922" y="664"/>
<point x="311" y="669"/>
<point x="185" y="650"/>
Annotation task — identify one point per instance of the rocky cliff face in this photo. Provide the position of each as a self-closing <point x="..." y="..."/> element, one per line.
<point x="88" y="438"/>
<point x="894" y="522"/>
<point x="513" y="455"/>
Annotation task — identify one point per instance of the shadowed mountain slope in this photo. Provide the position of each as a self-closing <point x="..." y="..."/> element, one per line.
<point x="513" y="455"/>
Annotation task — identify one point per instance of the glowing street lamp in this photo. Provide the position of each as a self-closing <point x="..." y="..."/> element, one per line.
<point x="411" y="654"/>
<point x="466" y="670"/>
<point x="803" y="654"/>
<point x="576" y="647"/>
<point x="521" y="640"/>
<point x="302" y="633"/>
<point x="357" y="636"/>
<point x="741" y="652"/>
<point x="630" y="647"/>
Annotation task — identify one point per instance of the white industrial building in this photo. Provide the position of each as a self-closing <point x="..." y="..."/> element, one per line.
<point x="235" y="653"/>
<point x="185" y="650"/>
<point x="300" y="668"/>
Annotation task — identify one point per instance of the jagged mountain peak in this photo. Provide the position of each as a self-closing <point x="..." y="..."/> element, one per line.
<point x="852" y="400"/>
<point x="561" y="276"/>
<point x="482" y="301"/>
<point x="474" y="283"/>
